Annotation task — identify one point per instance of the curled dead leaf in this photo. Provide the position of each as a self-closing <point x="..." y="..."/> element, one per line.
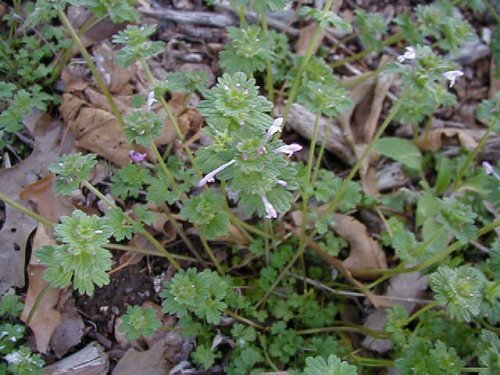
<point x="49" y="205"/>
<point x="434" y="140"/>
<point x="366" y="253"/>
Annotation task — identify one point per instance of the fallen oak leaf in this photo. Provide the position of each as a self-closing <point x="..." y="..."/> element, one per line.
<point x="17" y="227"/>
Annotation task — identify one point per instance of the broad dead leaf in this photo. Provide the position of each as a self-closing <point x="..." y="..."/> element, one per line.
<point x="304" y="41"/>
<point x="17" y="226"/>
<point x="151" y="362"/>
<point x="49" y="205"/>
<point x="45" y="318"/>
<point x="409" y="286"/>
<point x="366" y="253"/>
<point x="434" y="140"/>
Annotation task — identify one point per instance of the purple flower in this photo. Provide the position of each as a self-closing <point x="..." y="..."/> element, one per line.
<point x="210" y="177"/>
<point x="136" y="156"/>
<point x="270" y="210"/>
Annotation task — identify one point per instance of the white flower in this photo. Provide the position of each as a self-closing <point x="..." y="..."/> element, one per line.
<point x="270" y="210"/>
<point x="410" y="54"/>
<point x="210" y="176"/>
<point x="275" y="128"/>
<point x="289" y="149"/>
<point x="452" y="75"/>
<point x="283" y="183"/>
<point x="151" y="100"/>
<point x="488" y="168"/>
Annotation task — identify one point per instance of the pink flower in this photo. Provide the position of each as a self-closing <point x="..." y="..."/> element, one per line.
<point x="289" y="149"/>
<point x="275" y="127"/>
<point x="210" y="177"/>
<point x="136" y="156"/>
<point x="452" y="75"/>
<point x="488" y="168"/>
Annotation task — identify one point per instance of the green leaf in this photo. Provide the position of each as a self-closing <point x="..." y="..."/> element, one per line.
<point x="71" y="170"/>
<point x="400" y="150"/>
<point x="10" y="305"/>
<point x="205" y="211"/>
<point x="139" y="321"/>
<point x="205" y="356"/>
<point x="129" y="180"/>
<point x="334" y="366"/>
<point x="459" y="290"/>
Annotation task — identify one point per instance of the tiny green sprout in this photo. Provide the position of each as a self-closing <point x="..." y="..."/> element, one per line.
<point x="81" y="256"/>
<point x="371" y="28"/>
<point x="204" y="210"/>
<point x="142" y="127"/>
<point x="139" y="321"/>
<point x="188" y="82"/>
<point x="235" y="102"/>
<point x="327" y="18"/>
<point x="137" y="45"/>
<point x="71" y="170"/>
<point x="248" y="51"/>
<point x="458" y="289"/>
<point x="327" y="97"/>
<point x="128" y="181"/>
<point x="24" y="362"/>
<point x="459" y="217"/>
<point x="333" y="366"/>
<point x="202" y="294"/>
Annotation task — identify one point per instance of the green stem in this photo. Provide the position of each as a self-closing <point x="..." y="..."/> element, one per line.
<point x="172" y="118"/>
<point x="471" y="158"/>
<point x="372" y="362"/>
<point x="95" y="72"/>
<point x="38" y="299"/>
<point x="474" y="370"/>
<point x="269" y="69"/>
<point x="303" y="65"/>
<point x="245" y="320"/>
<point x="18" y="206"/>
<point x="115" y="246"/>
<point x="357" y="56"/>
<point x="322" y="150"/>
<point x="345" y="328"/>
<point x="243" y="20"/>
<point x="418" y="313"/>
<point x="211" y="254"/>
<point x="331" y="207"/>
<point x="492" y="10"/>
<point x="305" y="194"/>
<point x="143" y="231"/>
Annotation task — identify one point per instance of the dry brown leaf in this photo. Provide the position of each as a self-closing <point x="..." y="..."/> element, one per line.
<point x="118" y="79"/>
<point x="150" y="362"/>
<point x="366" y="253"/>
<point x="407" y="286"/>
<point x="70" y="332"/>
<point x="434" y="140"/>
<point x="17" y="226"/>
<point x="95" y="130"/>
<point x="335" y="262"/>
<point x="49" y="205"/>
<point x="304" y="40"/>
<point x="91" y="360"/>
<point x="45" y="318"/>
